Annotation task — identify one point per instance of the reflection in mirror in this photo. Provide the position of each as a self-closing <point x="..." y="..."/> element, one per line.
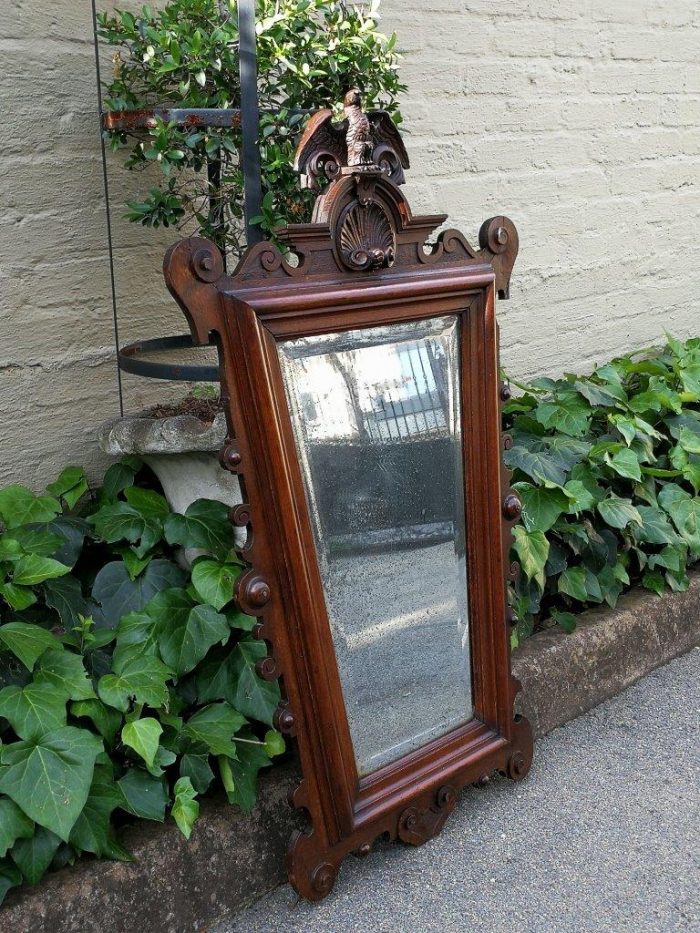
<point x="377" y="422"/>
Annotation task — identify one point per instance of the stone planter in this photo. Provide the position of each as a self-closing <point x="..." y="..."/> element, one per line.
<point x="183" y="452"/>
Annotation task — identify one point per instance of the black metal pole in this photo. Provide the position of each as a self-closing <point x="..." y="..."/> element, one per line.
<point x="250" y="119"/>
<point x="105" y="184"/>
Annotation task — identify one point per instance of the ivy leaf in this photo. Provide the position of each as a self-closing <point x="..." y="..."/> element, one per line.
<point x="119" y="595"/>
<point x="27" y="642"/>
<point x="106" y="720"/>
<point x="18" y="597"/>
<point x="10" y="877"/>
<point x="34" y="855"/>
<point x="538" y="465"/>
<point x="654" y="581"/>
<point x="70" y="485"/>
<point x="93" y="830"/>
<point x="137" y="635"/>
<point x="14" y="825"/>
<point x="185" y="808"/>
<point x="19" y="506"/>
<point x="65" y="672"/>
<point x="120" y="476"/>
<point x="541" y="507"/>
<point x="532" y="548"/>
<point x="33" y="540"/>
<point x="566" y="413"/>
<point x="254" y="697"/>
<point x="580" y="498"/>
<point x="214" y="726"/>
<point x="32" y="569"/>
<point x="565" y="620"/>
<point x="143" y="795"/>
<point x="147" y="503"/>
<point x="625" y="463"/>
<point x="73" y="532"/>
<point x="143" y="735"/>
<point x="33" y="710"/>
<point x="656" y="528"/>
<point x="689" y="441"/>
<point x="205" y="525"/>
<point x="617" y="512"/>
<point x="119" y="521"/>
<point x="198" y="770"/>
<point x="49" y="777"/>
<point x="573" y="582"/>
<point x="184" y="646"/>
<point x="65" y="595"/>
<point x="240" y="777"/>
<point x="142" y="679"/>
<point x="214" y="581"/>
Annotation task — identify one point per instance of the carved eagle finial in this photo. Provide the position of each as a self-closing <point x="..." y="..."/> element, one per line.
<point x="362" y="139"/>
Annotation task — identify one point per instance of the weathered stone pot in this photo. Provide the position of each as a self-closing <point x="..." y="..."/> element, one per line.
<point x="182" y="451"/>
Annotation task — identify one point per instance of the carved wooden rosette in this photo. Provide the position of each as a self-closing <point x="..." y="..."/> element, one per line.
<point x="362" y="261"/>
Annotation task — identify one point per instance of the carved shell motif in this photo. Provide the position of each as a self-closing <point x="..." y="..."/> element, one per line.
<point x="366" y="240"/>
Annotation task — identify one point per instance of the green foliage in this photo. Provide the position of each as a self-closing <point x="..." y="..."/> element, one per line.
<point x="310" y="52"/>
<point x="608" y="470"/>
<point x="112" y="704"/>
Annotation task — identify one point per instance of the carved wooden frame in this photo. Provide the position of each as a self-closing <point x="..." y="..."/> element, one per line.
<point x="390" y="277"/>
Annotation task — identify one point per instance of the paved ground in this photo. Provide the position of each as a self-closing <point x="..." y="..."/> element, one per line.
<point x="602" y="836"/>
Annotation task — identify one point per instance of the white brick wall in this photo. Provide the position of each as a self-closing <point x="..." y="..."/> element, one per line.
<point x="578" y="118"/>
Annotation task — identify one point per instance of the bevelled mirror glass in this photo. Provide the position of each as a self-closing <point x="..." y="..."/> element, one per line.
<point x="376" y="416"/>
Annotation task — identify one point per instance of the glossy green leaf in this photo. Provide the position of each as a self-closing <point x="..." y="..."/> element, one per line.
<point x="119" y="595"/>
<point x="18" y="597"/>
<point x="532" y="548"/>
<point x="93" y="830"/>
<point x="214" y="727"/>
<point x="185" y="807"/>
<point x="541" y="506"/>
<point x="33" y="710"/>
<point x="106" y="719"/>
<point x="50" y="777"/>
<point x="197" y="768"/>
<point x="205" y="525"/>
<point x="32" y="569"/>
<point x="14" y="825"/>
<point x="240" y="777"/>
<point x="182" y="647"/>
<point x="143" y="795"/>
<point x="27" y="642"/>
<point x="65" y="672"/>
<point x="618" y="512"/>
<point x="142" y="679"/>
<point x="254" y="697"/>
<point x="214" y="581"/>
<point x="655" y="528"/>
<point x="19" y="506"/>
<point x="572" y="582"/>
<point x="143" y="735"/>
<point x="625" y="463"/>
<point x="147" y="503"/>
<point x="70" y="485"/>
<point x="34" y="854"/>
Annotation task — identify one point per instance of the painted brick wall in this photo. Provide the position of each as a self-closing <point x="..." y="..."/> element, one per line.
<point x="578" y="118"/>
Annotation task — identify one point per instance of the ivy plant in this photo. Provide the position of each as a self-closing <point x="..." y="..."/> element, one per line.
<point x="186" y="55"/>
<point x="608" y="470"/>
<point x="128" y="685"/>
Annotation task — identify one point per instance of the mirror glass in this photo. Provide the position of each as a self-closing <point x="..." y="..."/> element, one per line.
<point x="377" y="421"/>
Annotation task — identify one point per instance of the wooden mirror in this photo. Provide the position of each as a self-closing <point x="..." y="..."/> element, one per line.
<point x="359" y="371"/>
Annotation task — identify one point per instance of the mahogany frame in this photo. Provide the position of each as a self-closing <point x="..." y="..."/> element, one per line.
<point x="267" y="300"/>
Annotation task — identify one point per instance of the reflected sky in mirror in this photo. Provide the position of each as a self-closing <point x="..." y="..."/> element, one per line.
<point x="376" y="417"/>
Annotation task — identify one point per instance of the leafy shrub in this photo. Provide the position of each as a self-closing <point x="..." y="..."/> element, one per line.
<point x="186" y="55"/>
<point x="125" y="682"/>
<point x="608" y="470"/>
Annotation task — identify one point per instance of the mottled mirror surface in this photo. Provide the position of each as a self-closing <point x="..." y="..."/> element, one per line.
<point x="376" y="417"/>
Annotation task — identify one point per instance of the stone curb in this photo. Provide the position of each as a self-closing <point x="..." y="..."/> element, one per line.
<point x="231" y="859"/>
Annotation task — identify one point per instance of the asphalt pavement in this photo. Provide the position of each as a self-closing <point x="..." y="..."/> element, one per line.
<point x="601" y="836"/>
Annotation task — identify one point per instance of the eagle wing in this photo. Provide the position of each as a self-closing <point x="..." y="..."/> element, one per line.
<point x="322" y="146"/>
<point x="386" y="134"/>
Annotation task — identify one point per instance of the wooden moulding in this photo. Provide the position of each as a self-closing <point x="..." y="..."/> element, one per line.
<point x="338" y="285"/>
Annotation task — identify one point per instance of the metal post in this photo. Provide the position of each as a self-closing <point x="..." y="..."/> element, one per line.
<point x="250" y="118"/>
